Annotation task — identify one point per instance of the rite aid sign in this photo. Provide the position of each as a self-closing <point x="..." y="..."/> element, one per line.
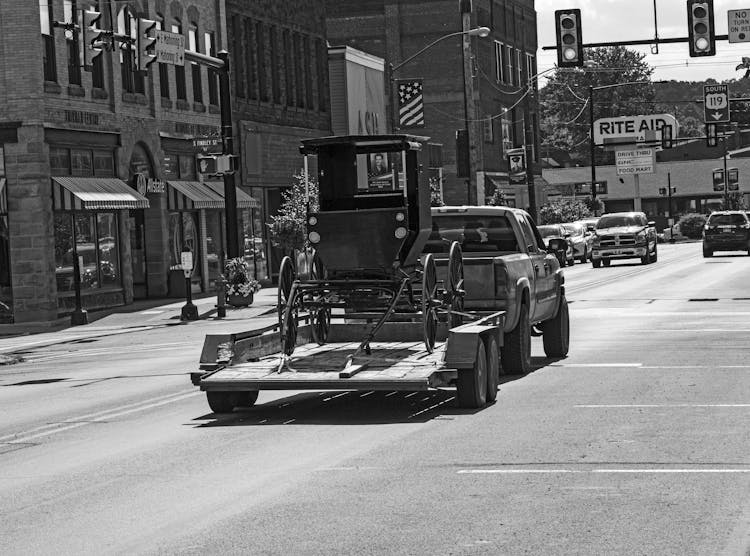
<point x="632" y="129"/>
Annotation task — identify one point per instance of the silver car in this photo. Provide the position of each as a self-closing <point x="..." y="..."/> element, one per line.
<point x="580" y="239"/>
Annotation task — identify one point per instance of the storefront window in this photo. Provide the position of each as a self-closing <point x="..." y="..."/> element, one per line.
<point x="214" y="243"/>
<point x="96" y="246"/>
<point x="80" y="162"/>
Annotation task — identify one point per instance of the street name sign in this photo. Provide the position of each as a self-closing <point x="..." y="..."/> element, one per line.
<point x="635" y="161"/>
<point x="170" y="48"/>
<point x="715" y="104"/>
<point x="738" y="25"/>
<point x="632" y="129"/>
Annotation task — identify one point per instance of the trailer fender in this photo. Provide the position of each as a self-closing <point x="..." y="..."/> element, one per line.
<point x="462" y="343"/>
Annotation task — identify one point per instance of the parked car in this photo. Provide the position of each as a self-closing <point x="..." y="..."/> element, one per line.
<point x="623" y="235"/>
<point x="727" y="230"/>
<point x="557" y="241"/>
<point x="580" y="239"/>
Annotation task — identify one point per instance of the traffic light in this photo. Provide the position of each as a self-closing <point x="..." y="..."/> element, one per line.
<point x="569" y="39"/>
<point x="701" y="32"/>
<point x="733" y="179"/>
<point x="718" y="178"/>
<point x="712" y="137"/>
<point x="91" y="38"/>
<point x="145" y="44"/>
<point x="666" y="137"/>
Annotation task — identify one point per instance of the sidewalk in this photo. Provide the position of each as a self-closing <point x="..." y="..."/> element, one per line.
<point x="140" y="315"/>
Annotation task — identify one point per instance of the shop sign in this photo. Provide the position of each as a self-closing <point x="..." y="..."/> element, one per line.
<point x="141" y="184"/>
<point x="155" y="185"/>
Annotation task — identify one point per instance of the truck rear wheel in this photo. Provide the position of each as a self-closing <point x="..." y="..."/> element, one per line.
<point x="556" y="331"/>
<point x="472" y="383"/>
<point x="516" y="353"/>
<point x="493" y="368"/>
<point x="225" y="402"/>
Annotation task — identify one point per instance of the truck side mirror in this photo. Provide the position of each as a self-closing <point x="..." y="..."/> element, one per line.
<point x="651" y="223"/>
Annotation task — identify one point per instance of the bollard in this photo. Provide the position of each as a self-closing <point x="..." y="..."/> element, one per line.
<point x="221" y="298"/>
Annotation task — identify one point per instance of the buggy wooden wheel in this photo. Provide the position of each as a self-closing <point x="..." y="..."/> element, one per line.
<point x="286" y="279"/>
<point x="455" y="284"/>
<point x="429" y="290"/>
<point x="320" y="317"/>
<point x="286" y="307"/>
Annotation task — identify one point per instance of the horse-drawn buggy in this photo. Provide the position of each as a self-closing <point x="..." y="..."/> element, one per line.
<point x="368" y="236"/>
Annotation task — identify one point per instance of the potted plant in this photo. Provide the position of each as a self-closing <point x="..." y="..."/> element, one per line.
<point x="240" y="285"/>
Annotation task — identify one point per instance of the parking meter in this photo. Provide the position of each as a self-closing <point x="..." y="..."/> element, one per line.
<point x="189" y="311"/>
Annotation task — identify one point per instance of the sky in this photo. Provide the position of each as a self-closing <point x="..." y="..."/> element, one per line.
<point x="622" y="20"/>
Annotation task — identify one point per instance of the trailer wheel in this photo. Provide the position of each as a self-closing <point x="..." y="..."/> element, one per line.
<point x="493" y="368"/>
<point x="557" y="332"/>
<point x="472" y="383"/>
<point x="223" y="402"/>
<point x="516" y="354"/>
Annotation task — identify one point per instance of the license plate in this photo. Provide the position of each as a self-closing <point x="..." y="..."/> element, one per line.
<point x="617" y="251"/>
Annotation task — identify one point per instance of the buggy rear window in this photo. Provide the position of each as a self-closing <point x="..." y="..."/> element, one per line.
<point x="726" y="220"/>
<point x="475" y="233"/>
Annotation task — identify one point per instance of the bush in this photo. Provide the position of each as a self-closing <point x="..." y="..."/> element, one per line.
<point x="691" y="225"/>
<point x="563" y="210"/>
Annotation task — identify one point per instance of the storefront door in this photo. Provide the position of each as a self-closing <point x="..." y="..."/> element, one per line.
<point x="138" y="253"/>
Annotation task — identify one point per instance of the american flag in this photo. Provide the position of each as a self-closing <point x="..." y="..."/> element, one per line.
<point x="410" y="103"/>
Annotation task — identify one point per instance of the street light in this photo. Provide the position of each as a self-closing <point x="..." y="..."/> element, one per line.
<point x="476" y="32"/>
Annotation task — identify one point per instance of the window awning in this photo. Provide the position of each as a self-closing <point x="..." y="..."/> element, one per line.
<point x="69" y="193"/>
<point x="190" y="195"/>
<point x="243" y="199"/>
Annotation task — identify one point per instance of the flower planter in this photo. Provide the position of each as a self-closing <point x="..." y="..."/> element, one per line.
<point x="237" y="300"/>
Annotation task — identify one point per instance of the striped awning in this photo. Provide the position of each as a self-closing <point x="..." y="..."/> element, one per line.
<point x="70" y="193"/>
<point x="3" y="197"/>
<point x="243" y="199"/>
<point x="189" y="195"/>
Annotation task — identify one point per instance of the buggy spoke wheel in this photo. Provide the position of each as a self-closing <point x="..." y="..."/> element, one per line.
<point x="317" y="270"/>
<point x="321" y="324"/>
<point x="286" y="279"/>
<point x="289" y="330"/>
<point x="429" y="289"/>
<point x="456" y="284"/>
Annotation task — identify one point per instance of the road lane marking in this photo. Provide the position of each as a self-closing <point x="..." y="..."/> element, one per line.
<point x="634" y="365"/>
<point x="599" y="471"/>
<point x="666" y="405"/>
<point x="80" y="420"/>
<point x="100" y="333"/>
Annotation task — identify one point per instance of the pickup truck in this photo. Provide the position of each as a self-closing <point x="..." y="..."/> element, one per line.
<point x="623" y="235"/>
<point x="506" y="268"/>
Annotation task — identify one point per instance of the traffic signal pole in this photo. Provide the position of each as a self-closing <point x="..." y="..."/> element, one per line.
<point x="221" y="65"/>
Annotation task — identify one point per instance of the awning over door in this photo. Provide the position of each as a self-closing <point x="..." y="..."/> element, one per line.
<point x="69" y="193"/>
<point x="190" y="195"/>
<point x="243" y="199"/>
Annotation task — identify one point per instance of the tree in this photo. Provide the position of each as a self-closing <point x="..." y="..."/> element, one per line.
<point x="436" y="197"/>
<point x="288" y="228"/>
<point x="563" y="101"/>
<point x="734" y="200"/>
<point x="563" y="210"/>
<point x="498" y="198"/>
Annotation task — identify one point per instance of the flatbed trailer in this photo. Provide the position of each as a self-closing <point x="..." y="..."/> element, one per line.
<point x="235" y="367"/>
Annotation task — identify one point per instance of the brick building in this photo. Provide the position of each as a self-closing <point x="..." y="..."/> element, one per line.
<point x="280" y="92"/>
<point x="503" y="64"/>
<point x="107" y="153"/>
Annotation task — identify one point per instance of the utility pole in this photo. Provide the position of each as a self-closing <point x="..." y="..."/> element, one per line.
<point x="592" y="147"/>
<point x="469" y="111"/>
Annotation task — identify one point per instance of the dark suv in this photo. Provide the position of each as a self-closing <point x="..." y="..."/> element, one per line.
<point x="728" y="230"/>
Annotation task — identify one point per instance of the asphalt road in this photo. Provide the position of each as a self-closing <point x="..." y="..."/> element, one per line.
<point x="637" y="443"/>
